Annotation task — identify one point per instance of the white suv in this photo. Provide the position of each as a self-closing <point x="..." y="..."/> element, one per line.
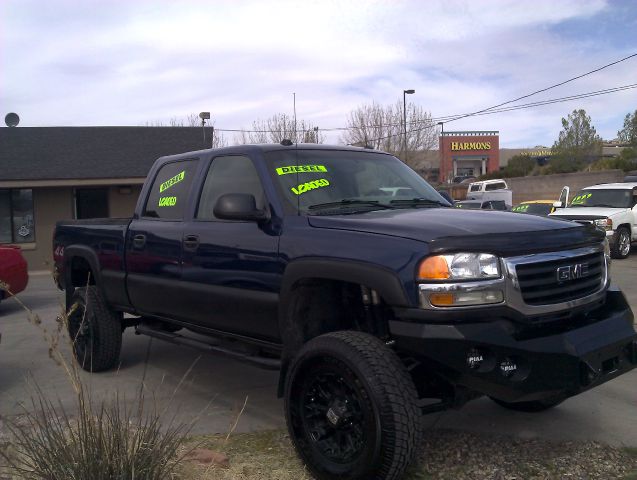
<point x="610" y="206"/>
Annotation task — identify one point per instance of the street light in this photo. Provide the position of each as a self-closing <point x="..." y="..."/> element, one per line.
<point x="204" y="116"/>
<point x="411" y="91"/>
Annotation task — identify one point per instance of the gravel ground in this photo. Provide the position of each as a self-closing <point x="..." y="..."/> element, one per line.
<point x="446" y="455"/>
<point x="458" y="455"/>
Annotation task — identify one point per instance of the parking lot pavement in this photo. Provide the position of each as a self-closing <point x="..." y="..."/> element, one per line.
<point x="212" y="389"/>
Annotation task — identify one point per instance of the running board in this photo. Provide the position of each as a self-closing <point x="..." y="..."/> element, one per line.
<point x="259" y="361"/>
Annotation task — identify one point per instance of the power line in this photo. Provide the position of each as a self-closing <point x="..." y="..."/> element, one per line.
<point x="487" y="111"/>
<point x="547" y="88"/>
<point x="448" y="118"/>
<point x="435" y="120"/>
<point x="545" y="102"/>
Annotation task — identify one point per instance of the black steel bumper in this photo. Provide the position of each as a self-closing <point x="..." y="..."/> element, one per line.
<point x="514" y="362"/>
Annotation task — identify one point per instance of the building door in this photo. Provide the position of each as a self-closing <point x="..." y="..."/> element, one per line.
<point x="91" y="203"/>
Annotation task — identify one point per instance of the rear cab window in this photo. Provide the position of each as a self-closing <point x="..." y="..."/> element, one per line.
<point x="169" y="193"/>
<point x="495" y="186"/>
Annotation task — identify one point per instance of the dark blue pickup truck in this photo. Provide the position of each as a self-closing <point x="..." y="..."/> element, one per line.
<point x="348" y="272"/>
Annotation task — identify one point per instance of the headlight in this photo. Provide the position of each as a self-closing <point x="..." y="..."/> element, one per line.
<point x="604" y="223"/>
<point x="460" y="266"/>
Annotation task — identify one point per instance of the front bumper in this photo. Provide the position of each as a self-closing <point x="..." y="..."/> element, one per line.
<point x="518" y="361"/>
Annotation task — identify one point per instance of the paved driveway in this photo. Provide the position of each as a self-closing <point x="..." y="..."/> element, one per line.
<point x="216" y="388"/>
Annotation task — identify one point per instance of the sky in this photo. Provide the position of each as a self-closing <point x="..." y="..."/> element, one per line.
<point x="134" y="62"/>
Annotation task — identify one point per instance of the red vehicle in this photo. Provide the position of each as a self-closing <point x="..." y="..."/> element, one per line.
<point x="13" y="270"/>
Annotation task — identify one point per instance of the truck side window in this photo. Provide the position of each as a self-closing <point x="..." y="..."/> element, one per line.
<point x="169" y="193"/>
<point x="495" y="186"/>
<point x="229" y="174"/>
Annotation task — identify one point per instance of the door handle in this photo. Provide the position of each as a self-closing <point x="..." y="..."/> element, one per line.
<point x="191" y="242"/>
<point x="139" y="241"/>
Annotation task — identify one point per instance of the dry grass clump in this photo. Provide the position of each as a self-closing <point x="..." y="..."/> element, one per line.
<point x="100" y="440"/>
<point x="103" y="440"/>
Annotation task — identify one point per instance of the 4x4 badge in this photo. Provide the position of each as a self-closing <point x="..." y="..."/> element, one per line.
<point x="572" y="272"/>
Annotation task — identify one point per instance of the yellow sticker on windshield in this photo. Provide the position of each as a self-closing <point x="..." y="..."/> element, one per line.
<point x="580" y="199"/>
<point x="300" y="169"/>
<point x="172" y="181"/>
<point x="308" y="186"/>
<point x="521" y="208"/>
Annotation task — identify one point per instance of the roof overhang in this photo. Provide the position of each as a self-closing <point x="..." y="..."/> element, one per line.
<point x="70" y="182"/>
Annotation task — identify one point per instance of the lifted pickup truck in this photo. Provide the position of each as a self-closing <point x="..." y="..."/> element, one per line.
<point x="348" y="272"/>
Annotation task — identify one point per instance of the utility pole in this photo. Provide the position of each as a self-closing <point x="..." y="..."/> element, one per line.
<point x="405" y="93"/>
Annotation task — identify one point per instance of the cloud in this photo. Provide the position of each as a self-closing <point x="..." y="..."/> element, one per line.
<point x="120" y="62"/>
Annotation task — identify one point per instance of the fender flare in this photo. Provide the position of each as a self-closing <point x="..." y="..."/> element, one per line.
<point x="383" y="280"/>
<point x="86" y="253"/>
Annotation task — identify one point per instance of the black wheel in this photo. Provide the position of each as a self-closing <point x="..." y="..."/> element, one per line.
<point x="620" y="245"/>
<point x="533" y="406"/>
<point x="351" y="408"/>
<point x="95" y="331"/>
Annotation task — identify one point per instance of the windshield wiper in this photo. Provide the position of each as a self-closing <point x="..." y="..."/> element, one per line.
<point x="347" y="202"/>
<point x="418" y="201"/>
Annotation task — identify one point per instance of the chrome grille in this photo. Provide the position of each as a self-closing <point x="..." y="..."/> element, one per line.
<point x="539" y="283"/>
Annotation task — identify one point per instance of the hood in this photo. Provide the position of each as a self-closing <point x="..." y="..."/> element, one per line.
<point x="587" y="213"/>
<point x="452" y="229"/>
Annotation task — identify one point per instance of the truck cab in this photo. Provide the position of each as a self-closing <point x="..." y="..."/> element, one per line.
<point x="490" y="190"/>
<point x="612" y="207"/>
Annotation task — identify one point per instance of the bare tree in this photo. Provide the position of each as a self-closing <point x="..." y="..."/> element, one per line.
<point x="382" y="127"/>
<point x="218" y="139"/>
<point x="279" y="127"/>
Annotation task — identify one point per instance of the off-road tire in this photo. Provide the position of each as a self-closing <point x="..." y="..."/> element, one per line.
<point x="531" y="407"/>
<point x="378" y="417"/>
<point x="95" y="331"/>
<point x="621" y="235"/>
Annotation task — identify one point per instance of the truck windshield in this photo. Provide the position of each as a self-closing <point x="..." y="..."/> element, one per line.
<point x="321" y="181"/>
<point x="611" y="198"/>
<point x="533" y="208"/>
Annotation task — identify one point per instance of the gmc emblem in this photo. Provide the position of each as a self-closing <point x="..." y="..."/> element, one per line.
<point x="572" y="272"/>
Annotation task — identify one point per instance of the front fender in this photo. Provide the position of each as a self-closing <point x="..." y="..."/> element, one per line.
<point x="381" y="279"/>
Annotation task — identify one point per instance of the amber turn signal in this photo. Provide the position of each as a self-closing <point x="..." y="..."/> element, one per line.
<point x="441" y="299"/>
<point x="434" y="268"/>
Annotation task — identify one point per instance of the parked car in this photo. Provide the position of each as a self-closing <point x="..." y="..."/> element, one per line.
<point x="444" y="194"/>
<point x="535" y="207"/>
<point x="13" y="270"/>
<point x="631" y="177"/>
<point x="293" y="257"/>
<point x="611" y="207"/>
<point x="463" y="179"/>
<point x="486" y="190"/>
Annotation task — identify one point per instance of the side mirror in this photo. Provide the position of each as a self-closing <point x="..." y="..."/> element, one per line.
<point x="239" y="206"/>
<point x="558" y="205"/>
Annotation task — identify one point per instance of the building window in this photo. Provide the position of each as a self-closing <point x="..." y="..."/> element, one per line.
<point x="91" y="203"/>
<point x="16" y="216"/>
